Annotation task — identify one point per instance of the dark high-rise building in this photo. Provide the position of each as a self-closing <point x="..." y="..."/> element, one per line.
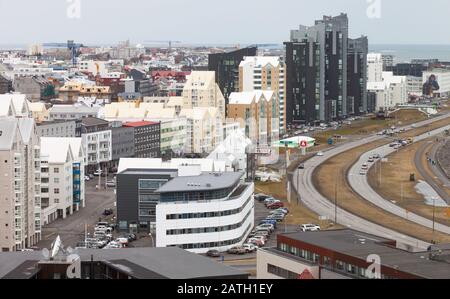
<point x="357" y="76"/>
<point x="408" y="69"/>
<point x="226" y="66"/>
<point x="324" y="49"/>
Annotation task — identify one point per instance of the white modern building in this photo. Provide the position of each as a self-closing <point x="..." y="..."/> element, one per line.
<point x="62" y="178"/>
<point x="97" y="147"/>
<point x="374" y="67"/>
<point x="205" y="211"/>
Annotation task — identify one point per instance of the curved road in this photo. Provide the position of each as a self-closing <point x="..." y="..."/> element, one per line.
<point x="312" y="198"/>
<point x="360" y="184"/>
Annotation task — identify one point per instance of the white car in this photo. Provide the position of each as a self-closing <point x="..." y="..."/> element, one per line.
<point x="250" y="247"/>
<point x="320" y="154"/>
<point x="87" y="178"/>
<point x="309" y="227"/>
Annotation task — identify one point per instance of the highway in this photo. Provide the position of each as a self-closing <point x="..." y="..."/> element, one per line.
<point x="360" y="184"/>
<point x="311" y="197"/>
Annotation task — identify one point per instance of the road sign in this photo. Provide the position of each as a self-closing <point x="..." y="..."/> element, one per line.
<point x="303" y="144"/>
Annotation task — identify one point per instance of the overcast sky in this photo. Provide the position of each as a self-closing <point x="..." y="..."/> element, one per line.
<point x="217" y="21"/>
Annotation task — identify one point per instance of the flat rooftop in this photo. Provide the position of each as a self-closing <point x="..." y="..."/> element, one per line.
<point x="170" y="262"/>
<point x="361" y="245"/>
<point x="207" y="181"/>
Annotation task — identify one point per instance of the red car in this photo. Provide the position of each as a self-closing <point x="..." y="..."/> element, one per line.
<point x="275" y="205"/>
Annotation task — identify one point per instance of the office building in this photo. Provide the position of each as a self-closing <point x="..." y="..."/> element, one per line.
<point x="73" y="112"/>
<point x="265" y="73"/>
<point x="347" y="254"/>
<point x="390" y="92"/>
<point x="226" y="68"/>
<point x="147" y="137"/>
<point x="193" y="204"/>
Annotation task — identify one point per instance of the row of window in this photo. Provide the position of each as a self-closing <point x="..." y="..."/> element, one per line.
<point x="206" y="230"/>
<point x="215" y="244"/>
<point x="208" y="214"/>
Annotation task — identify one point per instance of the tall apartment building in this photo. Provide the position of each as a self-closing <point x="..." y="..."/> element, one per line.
<point x="265" y="73"/>
<point x="257" y="113"/>
<point x="97" y="143"/>
<point x="201" y="90"/>
<point x="20" y="203"/>
<point x="226" y="68"/>
<point x="317" y="63"/>
<point x="357" y="76"/>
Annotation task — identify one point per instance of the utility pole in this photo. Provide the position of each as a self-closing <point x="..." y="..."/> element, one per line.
<point x="434" y="217"/>
<point x="336" y="198"/>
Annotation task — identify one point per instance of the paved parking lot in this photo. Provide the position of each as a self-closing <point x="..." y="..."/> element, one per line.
<point x="71" y="230"/>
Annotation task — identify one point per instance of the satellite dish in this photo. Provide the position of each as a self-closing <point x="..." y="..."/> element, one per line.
<point x="56" y="246"/>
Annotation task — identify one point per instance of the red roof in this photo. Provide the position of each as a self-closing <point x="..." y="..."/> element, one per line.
<point x="306" y="275"/>
<point x="139" y="124"/>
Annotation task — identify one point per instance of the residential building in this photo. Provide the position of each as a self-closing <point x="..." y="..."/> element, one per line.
<point x="258" y="114"/>
<point x="5" y="85"/>
<point x="226" y="68"/>
<point x="147" y="136"/>
<point x="317" y="63"/>
<point x="73" y="112"/>
<point x="217" y="207"/>
<point x="357" y="76"/>
<point x="374" y="67"/>
<point x="120" y="264"/>
<point x="20" y="202"/>
<point x="173" y="136"/>
<point x="408" y="69"/>
<point x="388" y="61"/>
<point x="14" y="105"/>
<point x="39" y="111"/>
<point x="201" y="90"/>
<point x="71" y="91"/>
<point x="348" y="254"/>
<point x="204" y="129"/>
<point x="36" y="88"/>
<point x="97" y="143"/>
<point x="390" y="92"/>
<point x="57" y="128"/>
<point x="62" y="179"/>
<point x="265" y="73"/>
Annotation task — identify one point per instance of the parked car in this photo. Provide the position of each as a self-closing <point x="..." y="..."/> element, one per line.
<point x="256" y="242"/>
<point x="266" y="226"/>
<point x="249" y="247"/>
<point x="309" y="227"/>
<point x="269" y="200"/>
<point x="87" y="178"/>
<point x="276" y="218"/>
<point x="108" y="212"/>
<point x="275" y="205"/>
<point x="111" y="184"/>
<point x="213" y="253"/>
<point x="130" y="237"/>
<point x="261" y="197"/>
<point x="237" y="250"/>
<point x="269" y="221"/>
<point x="98" y="172"/>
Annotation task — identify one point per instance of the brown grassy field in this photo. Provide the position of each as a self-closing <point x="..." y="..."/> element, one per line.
<point x="334" y="171"/>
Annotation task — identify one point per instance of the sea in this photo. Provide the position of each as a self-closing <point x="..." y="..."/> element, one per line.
<point x="402" y="53"/>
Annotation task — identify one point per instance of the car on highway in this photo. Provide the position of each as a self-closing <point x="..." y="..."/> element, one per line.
<point x="376" y="156"/>
<point x="108" y="212"/>
<point x="213" y="253"/>
<point x="237" y="250"/>
<point x="371" y="159"/>
<point x="111" y="184"/>
<point x="363" y="172"/>
<point x="301" y="166"/>
<point x="309" y="227"/>
<point x="365" y="166"/>
<point x="320" y="154"/>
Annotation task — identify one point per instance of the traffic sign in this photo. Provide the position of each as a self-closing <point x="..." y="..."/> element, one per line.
<point x="303" y="144"/>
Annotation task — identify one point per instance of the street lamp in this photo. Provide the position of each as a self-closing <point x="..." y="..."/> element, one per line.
<point x="153" y="241"/>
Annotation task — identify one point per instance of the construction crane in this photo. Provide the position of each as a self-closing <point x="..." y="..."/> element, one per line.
<point x="170" y="42"/>
<point x="71" y="45"/>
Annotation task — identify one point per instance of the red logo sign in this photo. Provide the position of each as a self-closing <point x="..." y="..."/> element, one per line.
<point x="303" y="144"/>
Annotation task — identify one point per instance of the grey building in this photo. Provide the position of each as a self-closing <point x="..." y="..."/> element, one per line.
<point x="130" y="263"/>
<point x="147" y="139"/>
<point x="122" y="143"/>
<point x="71" y="112"/>
<point x="5" y="85"/>
<point x="317" y="62"/>
<point x="36" y="88"/>
<point x="137" y="198"/>
<point x="357" y="76"/>
<point x="57" y="129"/>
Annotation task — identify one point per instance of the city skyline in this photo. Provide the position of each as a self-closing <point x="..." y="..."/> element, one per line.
<point x="158" y="20"/>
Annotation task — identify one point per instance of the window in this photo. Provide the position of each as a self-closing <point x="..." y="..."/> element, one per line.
<point x="280" y="272"/>
<point x="56" y="190"/>
<point x="56" y="180"/>
<point x="56" y="170"/>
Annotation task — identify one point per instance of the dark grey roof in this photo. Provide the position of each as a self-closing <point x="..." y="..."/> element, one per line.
<point x="93" y="121"/>
<point x="8" y="130"/>
<point x="170" y="262"/>
<point x="361" y="245"/>
<point x="204" y="182"/>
